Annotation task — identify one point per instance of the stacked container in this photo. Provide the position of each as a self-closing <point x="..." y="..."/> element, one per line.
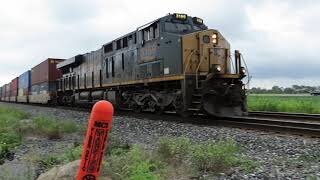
<point x="3" y="92"/>
<point x="24" y="87"/>
<point x="7" y="92"/>
<point x="43" y="81"/>
<point x="14" y="89"/>
<point x="0" y="93"/>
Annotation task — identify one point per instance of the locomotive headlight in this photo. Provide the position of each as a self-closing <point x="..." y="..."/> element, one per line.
<point x="242" y="70"/>
<point x="214" y="38"/>
<point x="217" y="68"/>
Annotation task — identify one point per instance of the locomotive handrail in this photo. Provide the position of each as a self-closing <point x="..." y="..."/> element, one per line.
<point x="188" y="61"/>
<point x="201" y="60"/>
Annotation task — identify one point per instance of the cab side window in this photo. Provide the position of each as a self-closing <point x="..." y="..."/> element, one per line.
<point x="151" y="32"/>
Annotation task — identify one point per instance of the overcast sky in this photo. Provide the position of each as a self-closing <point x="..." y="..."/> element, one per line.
<point x="280" y="40"/>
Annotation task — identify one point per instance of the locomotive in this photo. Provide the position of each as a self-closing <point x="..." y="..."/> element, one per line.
<point x="174" y="63"/>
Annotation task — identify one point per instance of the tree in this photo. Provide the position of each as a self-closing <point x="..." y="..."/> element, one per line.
<point x="288" y="91"/>
<point x="276" y="89"/>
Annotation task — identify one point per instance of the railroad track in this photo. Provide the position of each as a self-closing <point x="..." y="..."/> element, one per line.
<point x="283" y="123"/>
<point x="284" y="115"/>
<point x="293" y="123"/>
<point x="280" y="122"/>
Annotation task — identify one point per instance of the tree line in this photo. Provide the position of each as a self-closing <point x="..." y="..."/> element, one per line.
<point x="295" y="89"/>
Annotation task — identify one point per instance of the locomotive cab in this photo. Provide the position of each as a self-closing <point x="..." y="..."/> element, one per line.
<point x="212" y="80"/>
<point x="181" y="49"/>
<point x="213" y="75"/>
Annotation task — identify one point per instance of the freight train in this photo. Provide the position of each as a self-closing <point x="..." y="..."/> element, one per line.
<point x="174" y="63"/>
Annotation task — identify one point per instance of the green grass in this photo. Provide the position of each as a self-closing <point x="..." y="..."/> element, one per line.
<point x="294" y="104"/>
<point x="9" y="137"/>
<point x="208" y="156"/>
<point x="172" y="158"/>
<point x="133" y="164"/>
<point x="53" y="128"/>
<point x="176" y="158"/>
<point x="15" y="124"/>
<point x="174" y="150"/>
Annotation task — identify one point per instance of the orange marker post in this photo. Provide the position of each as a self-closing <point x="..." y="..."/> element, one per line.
<point x="99" y="125"/>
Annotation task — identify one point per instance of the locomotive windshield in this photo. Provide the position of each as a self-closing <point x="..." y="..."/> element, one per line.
<point x="184" y="26"/>
<point x="177" y="27"/>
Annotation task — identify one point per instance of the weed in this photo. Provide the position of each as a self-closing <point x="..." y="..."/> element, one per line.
<point x="313" y="177"/>
<point x="49" y="161"/>
<point x="246" y="164"/>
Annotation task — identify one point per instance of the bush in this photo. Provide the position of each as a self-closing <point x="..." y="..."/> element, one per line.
<point x="72" y="154"/>
<point x="174" y="150"/>
<point x="52" y="128"/>
<point x="215" y="157"/>
<point x="134" y="164"/>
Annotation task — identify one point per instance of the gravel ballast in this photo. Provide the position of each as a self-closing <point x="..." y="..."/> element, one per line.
<point x="279" y="156"/>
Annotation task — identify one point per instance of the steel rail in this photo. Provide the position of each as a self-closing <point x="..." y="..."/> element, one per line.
<point x="284" y="115"/>
<point x="278" y="125"/>
<point x="268" y="121"/>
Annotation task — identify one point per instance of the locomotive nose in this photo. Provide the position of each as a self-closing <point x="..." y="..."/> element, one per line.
<point x="222" y="99"/>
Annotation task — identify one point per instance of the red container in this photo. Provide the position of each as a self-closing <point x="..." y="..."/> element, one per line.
<point x="14" y="87"/>
<point x="46" y="71"/>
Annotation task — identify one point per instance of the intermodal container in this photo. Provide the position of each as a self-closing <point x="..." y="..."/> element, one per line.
<point x="7" y="92"/>
<point x="14" y="87"/>
<point x="3" y="93"/>
<point x="46" y="71"/>
<point x="24" y="83"/>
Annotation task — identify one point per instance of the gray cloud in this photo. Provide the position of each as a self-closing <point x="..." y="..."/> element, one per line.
<point x="278" y="39"/>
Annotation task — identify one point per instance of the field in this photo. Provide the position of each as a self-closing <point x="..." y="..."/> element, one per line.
<point x="284" y="103"/>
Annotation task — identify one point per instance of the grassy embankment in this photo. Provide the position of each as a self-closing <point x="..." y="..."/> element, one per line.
<point x="16" y="124"/>
<point x="280" y="103"/>
<point x="173" y="158"/>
